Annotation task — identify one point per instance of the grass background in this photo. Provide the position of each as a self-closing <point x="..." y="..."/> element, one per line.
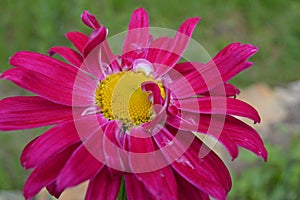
<point x="36" y="25"/>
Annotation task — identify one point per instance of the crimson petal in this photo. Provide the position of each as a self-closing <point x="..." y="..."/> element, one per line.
<point x="228" y="130"/>
<point x="134" y="189"/>
<point x="104" y="186"/>
<point x="113" y="147"/>
<point x="51" y="79"/>
<point x="46" y="173"/>
<point x="83" y="164"/>
<point x="78" y="39"/>
<point x="232" y="59"/>
<point x="23" y="112"/>
<point x="219" y="105"/>
<point x="208" y="173"/>
<point x="55" y="140"/>
<point x="68" y="54"/>
<point x="160" y="183"/>
<point x="166" y="52"/>
<point x="89" y="20"/>
<point x="97" y="37"/>
<point x="137" y="38"/>
<point x="188" y="191"/>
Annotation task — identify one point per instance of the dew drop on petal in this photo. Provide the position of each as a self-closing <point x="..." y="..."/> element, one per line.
<point x="186" y="162"/>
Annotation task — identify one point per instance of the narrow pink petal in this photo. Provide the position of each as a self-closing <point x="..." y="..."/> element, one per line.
<point x="225" y="65"/>
<point x="134" y="188"/>
<point x="78" y="39"/>
<point x="23" y="112"/>
<point x="55" y="140"/>
<point x="228" y="130"/>
<point x="170" y="55"/>
<point x="219" y="105"/>
<point x="223" y="89"/>
<point x="202" y="79"/>
<point x="113" y="147"/>
<point x="233" y="59"/>
<point x="51" y="79"/>
<point x="42" y="85"/>
<point x="89" y="20"/>
<point x="160" y="183"/>
<point x="141" y="150"/>
<point x="96" y="38"/>
<point x="100" y="60"/>
<point x="139" y="141"/>
<point x="249" y="140"/>
<point x="188" y="191"/>
<point x="46" y="173"/>
<point x="139" y="19"/>
<point x="182" y="124"/>
<point x="104" y="186"/>
<point x="108" y="57"/>
<point x="83" y="164"/>
<point x="158" y="50"/>
<point x="182" y="69"/>
<point x="41" y="63"/>
<point x="68" y="54"/>
<point x="208" y="174"/>
<point x="54" y="88"/>
<point x="137" y="38"/>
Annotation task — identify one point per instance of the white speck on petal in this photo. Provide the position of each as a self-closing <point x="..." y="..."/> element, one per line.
<point x="143" y="65"/>
<point x="90" y="110"/>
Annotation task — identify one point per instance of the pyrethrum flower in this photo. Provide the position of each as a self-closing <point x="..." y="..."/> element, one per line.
<point x="129" y="119"/>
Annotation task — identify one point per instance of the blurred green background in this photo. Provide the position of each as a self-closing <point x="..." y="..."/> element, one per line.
<point x="272" y="25"/>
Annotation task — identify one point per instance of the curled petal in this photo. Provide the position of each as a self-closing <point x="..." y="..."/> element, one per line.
<point x="97" y="37"/>
<point x="89" y="20"/>
<point x="155" y="92"/>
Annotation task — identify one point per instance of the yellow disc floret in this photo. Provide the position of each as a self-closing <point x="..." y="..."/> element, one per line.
<point x="120" y="97"/>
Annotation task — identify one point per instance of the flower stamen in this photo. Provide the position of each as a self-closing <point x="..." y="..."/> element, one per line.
<point x="120" y="97"/>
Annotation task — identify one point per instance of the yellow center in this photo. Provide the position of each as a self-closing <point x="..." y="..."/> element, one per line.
<point x="120" y="97"/>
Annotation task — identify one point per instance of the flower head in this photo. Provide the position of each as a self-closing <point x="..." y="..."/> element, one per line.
<point x="130" y="116"/>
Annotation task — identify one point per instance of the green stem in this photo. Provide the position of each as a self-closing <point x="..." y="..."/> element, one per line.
<point x="122" y="192"/>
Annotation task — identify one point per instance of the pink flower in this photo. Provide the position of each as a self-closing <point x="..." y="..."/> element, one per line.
<point x="130" y="117"/>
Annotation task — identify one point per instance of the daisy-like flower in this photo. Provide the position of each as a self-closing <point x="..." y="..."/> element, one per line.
<point x="129" y="120"/>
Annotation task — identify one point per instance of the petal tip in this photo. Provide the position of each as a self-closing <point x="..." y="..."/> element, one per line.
<point x="90" y="20"/>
